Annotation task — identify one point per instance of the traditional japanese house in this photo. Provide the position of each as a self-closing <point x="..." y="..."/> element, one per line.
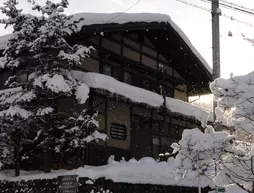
<point x="140" y="75"/>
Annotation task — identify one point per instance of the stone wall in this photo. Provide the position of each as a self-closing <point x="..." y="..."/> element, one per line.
<point x="87" y="185"/>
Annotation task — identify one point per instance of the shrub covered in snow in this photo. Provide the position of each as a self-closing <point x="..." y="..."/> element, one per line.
<point x="228" y="156"/>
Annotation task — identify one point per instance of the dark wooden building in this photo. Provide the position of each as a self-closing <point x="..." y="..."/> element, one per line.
<point x="151" y="54"/>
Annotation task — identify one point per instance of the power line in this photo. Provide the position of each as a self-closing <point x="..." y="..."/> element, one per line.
<point x="222" y="14"/>
<point x="236" y="5"/>
<point x="124" y="11"/>
<point x="233" y="7"/>
<point x="194" y="5"/>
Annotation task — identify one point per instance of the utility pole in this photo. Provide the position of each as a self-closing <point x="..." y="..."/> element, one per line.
<point x="216" y="52"/>
<point x="215" y="44"/>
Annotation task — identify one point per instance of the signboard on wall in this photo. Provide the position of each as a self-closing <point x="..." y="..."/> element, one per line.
<point x="68" y="184"/>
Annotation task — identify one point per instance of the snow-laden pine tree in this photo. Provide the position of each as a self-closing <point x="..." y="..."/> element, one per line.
<point x="40" y="57"/>
<point x="233" y="153"/>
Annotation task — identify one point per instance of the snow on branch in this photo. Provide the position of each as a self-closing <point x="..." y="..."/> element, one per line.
<point x="79" y="53"/>
<point x="235" y="97"/>
<point x="13" y="111"/>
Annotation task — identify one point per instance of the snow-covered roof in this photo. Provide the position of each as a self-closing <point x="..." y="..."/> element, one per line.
<point x="136" y="94"/>
<point x="144" y="171"/>
<point x="121" y="18"/>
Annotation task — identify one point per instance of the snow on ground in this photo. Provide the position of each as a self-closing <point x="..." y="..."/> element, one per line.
<point x="100" y="81"/>
<point x="144" y="171"/>
<point x="104" y="18"/>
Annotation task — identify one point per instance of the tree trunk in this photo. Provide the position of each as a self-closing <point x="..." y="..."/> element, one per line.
<point x="17" y="153"/>
<point x="83" y="157"/>
<point x="17" y="160"/>
<point x="47" y="152"/>
<point x="47" y="160"/>
<point x="79" y="157"/>
<point x="87" y="154"/>
<point x="252" y="191"/>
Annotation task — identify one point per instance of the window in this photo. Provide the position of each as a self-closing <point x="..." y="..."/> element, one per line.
<point x="161" y="145"/>
<point x="102" y="122"/>
<point x="156" y="126"/>
<point x="107" y="70"/>
<point x="156" y="146"/>
<point x="118" y="131"/>
<point x="169" y="91"/>
<point x="21" y="78"/>
<point x="160" y="66"/>
<point x="165" y="144"/>
<point x="165" y="126"/>
<point x="141" y="38"/>
<point x="116" y="73"/>
<point x="161" y="89"/>
<point x="127" y="77"/>
<point x="146" y="84"/>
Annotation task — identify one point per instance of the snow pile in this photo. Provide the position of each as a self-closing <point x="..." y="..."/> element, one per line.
<point x="144" y="171"/>
<point x="184" y="108"/>
<point x="103" y="18"/>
